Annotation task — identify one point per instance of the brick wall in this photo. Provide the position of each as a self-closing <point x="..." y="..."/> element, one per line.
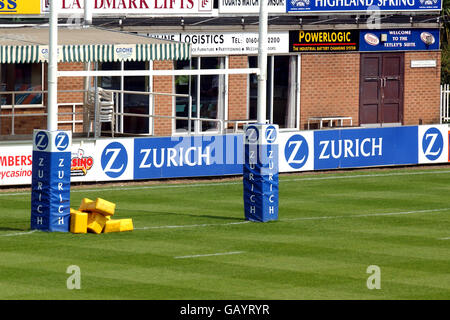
<point x="422" y="90"/>
<point x="329" y="86"/>
<point x="23" y="124"/>
<point x="70" y="83"/>
<point x="237" y="89"/>
<point x="163" y="104"/>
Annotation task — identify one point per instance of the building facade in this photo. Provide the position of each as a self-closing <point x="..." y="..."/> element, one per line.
<point x="370" y="66"/>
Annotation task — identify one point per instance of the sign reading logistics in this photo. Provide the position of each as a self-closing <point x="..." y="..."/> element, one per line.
<point x="323" y="41"/>
<point x="229" y="43"/>
<point x="399" y="40"/>
<point x="50" y="186"/>
<point x="362" y="5"/>
<point x="18" y="7"/>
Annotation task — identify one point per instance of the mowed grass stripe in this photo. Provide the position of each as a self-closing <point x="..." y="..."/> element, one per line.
<point x="311" y="259"/>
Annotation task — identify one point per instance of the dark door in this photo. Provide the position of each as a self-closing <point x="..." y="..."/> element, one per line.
<point x="381" y="88"/>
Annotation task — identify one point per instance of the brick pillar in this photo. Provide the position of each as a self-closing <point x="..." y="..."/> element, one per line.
<point x="237" y="89"/>
<point x="163" y="104"/>
<point x="422" y="90"/>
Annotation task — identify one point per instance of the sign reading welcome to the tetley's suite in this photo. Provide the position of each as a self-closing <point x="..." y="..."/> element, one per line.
<point x="362" y="5"/>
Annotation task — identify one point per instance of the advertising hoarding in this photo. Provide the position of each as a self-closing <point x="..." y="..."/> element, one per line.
<point x="20" y="7"/>
<point x="219" y="155"/>
<point x="324" y="41"/>
<point x="399" y="40"/>
<point x="362" y="5"/>
<point x="120" y="8"/>
<point x="251" y="6"/>
<point x="229" y="43"/>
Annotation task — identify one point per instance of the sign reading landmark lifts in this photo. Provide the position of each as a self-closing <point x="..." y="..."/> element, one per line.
<point x="143" y="7"/>
<point x="324" y="41"/>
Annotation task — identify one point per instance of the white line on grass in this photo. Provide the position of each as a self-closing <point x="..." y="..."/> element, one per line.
<point x="366" y="215"/>
<point x="209" y="255"/>
<point x="299" y="219"/>
<point x="448" y="238"/>
<point x="17" y="234"/>
<point x="171" y="186"/>
<point x="192" y="225"/>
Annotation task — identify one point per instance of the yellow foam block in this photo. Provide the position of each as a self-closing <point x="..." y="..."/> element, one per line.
<point x="96" y="222"/>
<point x="78" y="221"/>
<point x="112" y="226"/>
<point x="102" y="206"/>
<point x="84" y="204"/>
<point x="126" y="225"/>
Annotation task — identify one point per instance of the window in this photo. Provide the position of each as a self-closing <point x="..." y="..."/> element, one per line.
<point x="128" y="102"/>
<point x="21" y="77"/>
<point x="207" y="92"/>
<point x="282" y="90"/>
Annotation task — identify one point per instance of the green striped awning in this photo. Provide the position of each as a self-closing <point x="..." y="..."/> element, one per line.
<point x="29" y="45"/>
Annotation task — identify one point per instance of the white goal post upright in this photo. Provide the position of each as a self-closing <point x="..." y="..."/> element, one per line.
<point x="262" y="61"/>
<point x="52" y="109"/>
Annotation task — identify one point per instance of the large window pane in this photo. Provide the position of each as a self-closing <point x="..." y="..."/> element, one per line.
<point x="135" y="103"/>
<point x="284" y="87"/>
<point x="281" y="101"/>
<point x="207" y="92"/>
<point x="185" y="85"/>
<point x="211" y="87"/>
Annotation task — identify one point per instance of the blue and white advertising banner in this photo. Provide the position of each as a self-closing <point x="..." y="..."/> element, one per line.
<point x="155" y="158"/>
<point x="352" y="148"/>
<point x="433" y="144"/>
<point x="362" y="5"/>
<point x="260" y="172"/>
<point x="190" y="156"/>
<point x="50" y="188"/>
<point x="399" y="40"/>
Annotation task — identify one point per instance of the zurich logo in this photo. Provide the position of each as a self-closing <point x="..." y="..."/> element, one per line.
<point x="114" y="159"/>
<point x="41" y="140"/>
<point x="62" y="141"/>
<point x="271" y="134"/>
<point x="432" y="144"/>
<point x="252" y="134"/>
<point x="296" y="151"/>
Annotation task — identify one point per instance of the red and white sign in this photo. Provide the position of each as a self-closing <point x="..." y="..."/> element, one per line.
<point x="15" y="165"/>
<point x="134" y="7"/>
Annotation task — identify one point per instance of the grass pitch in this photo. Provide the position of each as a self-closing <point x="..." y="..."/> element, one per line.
<point x="191" y="241"/>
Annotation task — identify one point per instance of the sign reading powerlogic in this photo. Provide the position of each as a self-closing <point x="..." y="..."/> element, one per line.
<point x="323" y="41"/>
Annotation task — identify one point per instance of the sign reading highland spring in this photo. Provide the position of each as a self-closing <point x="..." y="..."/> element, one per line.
<point x="362" y="5"/>
<point x="134" y="7"/>
<point x="50" y="186"/>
